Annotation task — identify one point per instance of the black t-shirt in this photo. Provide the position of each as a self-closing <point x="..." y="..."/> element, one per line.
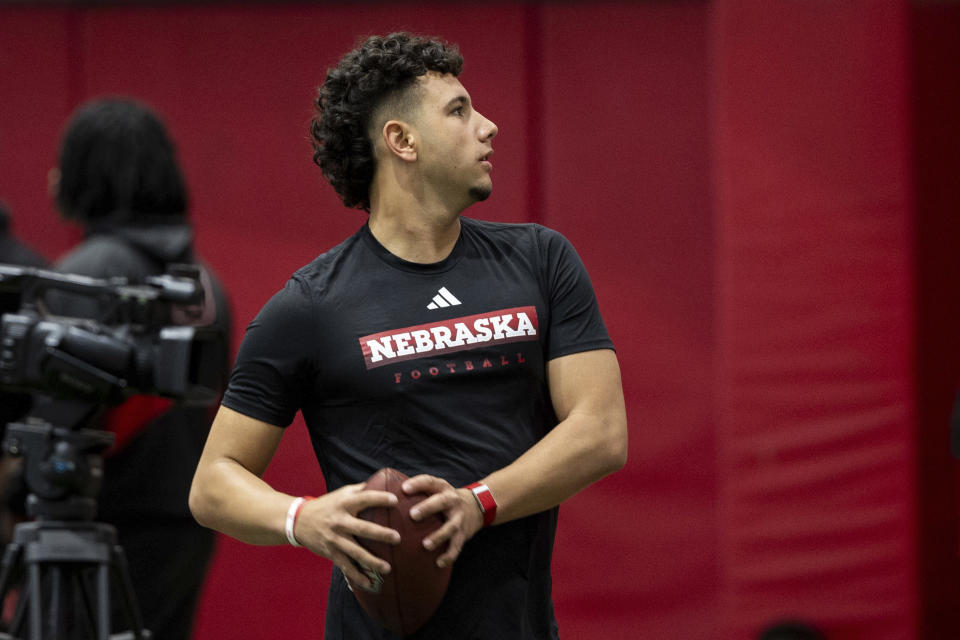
<point x="438" y="369"/>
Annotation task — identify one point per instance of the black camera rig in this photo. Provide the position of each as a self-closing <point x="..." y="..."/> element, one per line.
<point x="147" y="338"/>
<point x="157" y="338"/>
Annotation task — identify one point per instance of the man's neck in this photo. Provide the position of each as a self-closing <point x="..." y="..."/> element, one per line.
<point x="414" y="234"/>
<point x="411" y="219"/>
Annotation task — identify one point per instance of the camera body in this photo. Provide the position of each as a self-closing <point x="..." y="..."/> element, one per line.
<point x="154" y="338"/>
<point x="68" y="357"/>
<point x="148" y="338"/>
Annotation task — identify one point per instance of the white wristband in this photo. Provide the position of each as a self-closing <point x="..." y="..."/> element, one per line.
<point x="292" y="519"/>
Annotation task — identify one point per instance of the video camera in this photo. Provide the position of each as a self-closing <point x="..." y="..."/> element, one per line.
<point x="156" y="337"/>
<point x="153" y="338"/>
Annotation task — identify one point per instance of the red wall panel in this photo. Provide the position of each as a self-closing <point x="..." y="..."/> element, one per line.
<point x="624" y="166"/>
<point x="815" y="295"/>
<point x="37" y="80"/>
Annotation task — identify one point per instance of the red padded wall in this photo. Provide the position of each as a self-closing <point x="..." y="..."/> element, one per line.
<point x="38" y="80"/>
<point x="815" y="316"/>
<point x="625" y="171"/>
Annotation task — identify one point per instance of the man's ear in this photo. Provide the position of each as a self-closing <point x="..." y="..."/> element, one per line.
<point x="400" y="140"/>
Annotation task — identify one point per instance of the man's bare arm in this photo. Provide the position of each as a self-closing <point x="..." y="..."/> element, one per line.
<point x="228" y="494"/>
<point x="588" y="443"/>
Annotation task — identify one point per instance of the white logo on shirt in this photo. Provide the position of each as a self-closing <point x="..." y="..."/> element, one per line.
<point x="443" y="299"/>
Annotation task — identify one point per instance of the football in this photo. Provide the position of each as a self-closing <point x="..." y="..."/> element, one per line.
<point x="404" y="599"/>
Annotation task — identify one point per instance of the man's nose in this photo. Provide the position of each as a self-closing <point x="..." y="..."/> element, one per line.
<point x="488" y="130"/>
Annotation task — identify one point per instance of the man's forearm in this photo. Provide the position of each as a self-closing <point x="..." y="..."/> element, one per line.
<point x="228" y="493"/>
<point x="589" y="442"/>
<point x="568" y="459"/>
<point x="228" y="498"/>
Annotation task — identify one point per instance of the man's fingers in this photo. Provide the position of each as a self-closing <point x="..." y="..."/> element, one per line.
<point x="353" y="550"/>
<point x="441" y="535"/>
<point x="352" y="570"/>
<point x="349" y="569"/>
<point x="424" y="483"/>
<point x="364" y="529"/>
<point x="437" y="503"/>
<point x="447" y="533"/>
<point x="442" y="498"/>
<point x="366" y="499"/>
<point x="451" y="554"/>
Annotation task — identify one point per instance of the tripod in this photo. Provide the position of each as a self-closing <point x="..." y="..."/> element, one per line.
<point x="67" y="561"/>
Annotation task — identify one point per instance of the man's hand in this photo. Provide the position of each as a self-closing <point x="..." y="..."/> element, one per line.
<point x="329" y="526"/>
<point x="459" y="508"/>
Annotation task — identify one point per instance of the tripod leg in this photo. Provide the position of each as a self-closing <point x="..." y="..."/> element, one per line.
<point x="122" y="576"/>
<point x="83" y="604"/>
<point x="36" y="602"/>
<point x="57" y="611"/>
<point x="67" y="565"/>
<point x="103" y="595"/>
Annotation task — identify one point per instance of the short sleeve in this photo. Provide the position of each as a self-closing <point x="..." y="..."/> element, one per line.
<point x="575" y="321"/>
<point x="275" y="360"/>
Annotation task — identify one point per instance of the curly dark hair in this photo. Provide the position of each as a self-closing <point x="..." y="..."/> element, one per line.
<point x="381" y="68"/>
<point x="118" y="163"/>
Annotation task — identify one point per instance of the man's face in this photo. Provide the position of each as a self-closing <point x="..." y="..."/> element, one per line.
<point x="454" y="141"/>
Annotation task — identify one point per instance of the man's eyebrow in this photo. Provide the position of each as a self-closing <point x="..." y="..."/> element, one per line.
<point x="459" y="100"/>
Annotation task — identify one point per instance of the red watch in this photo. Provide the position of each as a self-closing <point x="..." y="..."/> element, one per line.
<point x="488" y="506"/>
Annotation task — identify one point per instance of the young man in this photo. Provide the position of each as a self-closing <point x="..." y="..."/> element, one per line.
<point x="453" y="350"/>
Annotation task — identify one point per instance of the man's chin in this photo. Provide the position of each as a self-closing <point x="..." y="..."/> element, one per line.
<point x="479" y="194"/>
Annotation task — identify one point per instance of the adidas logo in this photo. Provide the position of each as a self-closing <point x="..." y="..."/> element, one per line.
<point x="443" y="299"/>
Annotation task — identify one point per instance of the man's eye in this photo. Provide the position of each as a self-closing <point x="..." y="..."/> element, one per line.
<point x="458" y="111"/>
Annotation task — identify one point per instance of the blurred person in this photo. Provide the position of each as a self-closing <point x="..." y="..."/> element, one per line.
<point x="468" y="355"/>
<point x="119" y="178"/>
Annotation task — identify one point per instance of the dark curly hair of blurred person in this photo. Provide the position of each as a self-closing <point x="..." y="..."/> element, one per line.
<point x="382" y="70"/>
<point x="117" y="164"/>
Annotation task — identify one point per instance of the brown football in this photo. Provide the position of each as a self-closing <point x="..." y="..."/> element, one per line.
<point x="404" y="599"/>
